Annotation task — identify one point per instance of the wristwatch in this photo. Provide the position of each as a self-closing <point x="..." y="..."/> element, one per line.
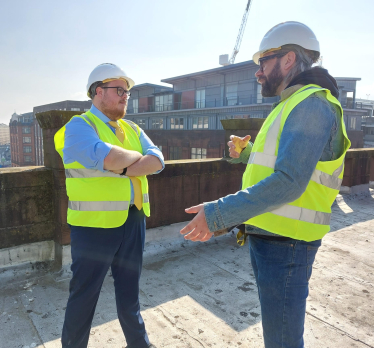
<point x="124" y="171"/>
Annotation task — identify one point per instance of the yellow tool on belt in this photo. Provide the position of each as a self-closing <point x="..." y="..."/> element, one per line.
<point x="240" y="144"/>
<point x="241" y="236"/>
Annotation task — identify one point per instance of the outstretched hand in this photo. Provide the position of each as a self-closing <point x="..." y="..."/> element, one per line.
<point x="197" y="229"/>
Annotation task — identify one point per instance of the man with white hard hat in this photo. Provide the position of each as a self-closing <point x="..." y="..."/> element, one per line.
<point x="294" y="172"/>
<point x="106" y="160"/>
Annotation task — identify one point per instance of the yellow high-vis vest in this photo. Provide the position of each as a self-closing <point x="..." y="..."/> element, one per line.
<point x="308" y="217"/>
<point x="96" y="198"/>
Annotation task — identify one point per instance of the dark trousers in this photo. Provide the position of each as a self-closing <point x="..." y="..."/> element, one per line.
<point x="93" y="251"/>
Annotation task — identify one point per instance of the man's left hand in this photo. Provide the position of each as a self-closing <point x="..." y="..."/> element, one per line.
<point x="197" y="229"/>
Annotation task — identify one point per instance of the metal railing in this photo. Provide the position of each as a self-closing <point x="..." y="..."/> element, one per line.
<point x="202" y="104"/>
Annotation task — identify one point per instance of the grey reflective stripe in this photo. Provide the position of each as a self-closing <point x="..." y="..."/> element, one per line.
<point x="145" y="198"/>
<point x="272" y="135"/>
<point x="90" y="173"/>
<point x="303" y="214"/>
<point x="262" y="159"/>
<point x="99" y="206"/>
<point x="91" y="123"/>
<point x="331" y="181"/>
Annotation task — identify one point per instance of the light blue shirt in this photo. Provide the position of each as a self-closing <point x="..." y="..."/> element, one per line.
<point x="83" y="145"/>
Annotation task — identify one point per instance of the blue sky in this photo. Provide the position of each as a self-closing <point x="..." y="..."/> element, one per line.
<point x="48" y="48"/>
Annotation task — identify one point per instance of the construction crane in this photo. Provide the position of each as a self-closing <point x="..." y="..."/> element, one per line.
<point x="223" y="59"/>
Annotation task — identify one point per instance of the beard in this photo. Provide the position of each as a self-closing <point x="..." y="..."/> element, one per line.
<point x="112" y="113"/>
<point x="272" y="82"/>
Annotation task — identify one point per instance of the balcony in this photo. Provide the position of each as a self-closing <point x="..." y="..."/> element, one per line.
<point x="201" y="104"/>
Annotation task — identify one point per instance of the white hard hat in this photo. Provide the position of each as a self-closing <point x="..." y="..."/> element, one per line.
<point x="107" y="72"/>
<point x="295" y="33"/>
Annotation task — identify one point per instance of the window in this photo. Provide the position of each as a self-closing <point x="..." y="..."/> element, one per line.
<point x="75" y="109"/>
<point x="164" y="102"/>
<point x="27" y="158"/>
<point x="259" y="95"/>
<point x="157" y="123"/>
<point x="141" y="123"/>
<point x="27" y="149"/>
<point x="27" y="139"/>
<point x="86" y="109"/>
<point x="26" y="130"/>
<point x="175" y="153"/>
<point x="198" y="153"/>
<point x="232" y="94"/>
<point x="176" y="123"/>
<point x="352" y="123"/>
<point x="200" y="122"/>
<point x="200" y="98"/>
<point x="135" y="106"/>
<point x="159" y="147"/>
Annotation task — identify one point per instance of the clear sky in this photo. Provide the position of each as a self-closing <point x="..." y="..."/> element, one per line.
<point x="48" y="48"/>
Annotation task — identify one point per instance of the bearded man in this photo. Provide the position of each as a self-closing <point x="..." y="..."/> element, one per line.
<point x="293" y="175"/>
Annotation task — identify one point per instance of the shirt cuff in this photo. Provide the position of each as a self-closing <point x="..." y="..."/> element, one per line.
<point x="213" y="216"/>
<point x="158" y="154"/>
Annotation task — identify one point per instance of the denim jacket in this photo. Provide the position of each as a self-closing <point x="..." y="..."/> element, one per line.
<point x="312" y="133"/>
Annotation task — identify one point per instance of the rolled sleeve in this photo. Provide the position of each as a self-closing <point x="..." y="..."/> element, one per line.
<point x="151" y="149"/>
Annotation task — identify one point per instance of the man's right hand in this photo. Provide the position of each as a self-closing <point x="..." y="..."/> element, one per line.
<point x="231" y="145"/>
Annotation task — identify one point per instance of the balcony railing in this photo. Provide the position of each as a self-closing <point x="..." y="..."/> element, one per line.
<point x="202" y="104"/>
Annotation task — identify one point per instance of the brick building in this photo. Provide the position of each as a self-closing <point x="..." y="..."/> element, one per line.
<point x="199" y="101"/>
<point x="22" y="140"/>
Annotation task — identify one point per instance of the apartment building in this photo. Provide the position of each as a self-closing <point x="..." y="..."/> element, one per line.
<point x="4" y="134"/>
<point x="199" y="101"/>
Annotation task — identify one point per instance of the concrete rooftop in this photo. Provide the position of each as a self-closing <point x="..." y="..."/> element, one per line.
<point x="204" y="295"/>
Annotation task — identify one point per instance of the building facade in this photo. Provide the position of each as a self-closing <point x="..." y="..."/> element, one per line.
<point x="22" y="142"/>
<point x="4" y="134"/>
<point x="199" y="101"/>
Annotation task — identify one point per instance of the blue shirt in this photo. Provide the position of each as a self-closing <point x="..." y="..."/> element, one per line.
<point x="83" y="145"/>
<point x="312" y="133"/>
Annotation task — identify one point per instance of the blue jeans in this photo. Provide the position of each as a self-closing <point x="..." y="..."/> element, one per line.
<point x="93" y="251"/>
<point x="282" y="270"/>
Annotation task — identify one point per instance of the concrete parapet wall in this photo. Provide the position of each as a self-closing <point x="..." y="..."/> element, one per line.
<point x="26" y="206"/>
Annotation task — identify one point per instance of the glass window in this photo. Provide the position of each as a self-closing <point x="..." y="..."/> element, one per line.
<point x="352" y="124"/>
<point x="200" y="122"/>
<point x="259" y="95"/>
<point x="232" y="94"/>
<point x="27" y="139"/>
<point x="141" y="123"/>
<point x="157" y="123"/>
<point x="28" y="158"/>
<point x="27" y="149"/>
<point x="176" y="123"/>
<point x="86" y="109"/>
<point x="200" y="98"/>
<point x="198" y="153"/>
<point x="159" y="147"/>
<point x="164" y="102"/>
<point x="175" y="153"/>
<point x="26" y="130"/>
<point x="135" y="105"/>
<point x="75" y="109"/>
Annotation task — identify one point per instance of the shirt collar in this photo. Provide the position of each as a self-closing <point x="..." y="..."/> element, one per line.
<point x="99" y="114"/>
<point x="289" y="91"/>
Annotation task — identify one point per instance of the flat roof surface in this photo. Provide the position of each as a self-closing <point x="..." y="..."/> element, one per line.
<point x="204" y="294"/>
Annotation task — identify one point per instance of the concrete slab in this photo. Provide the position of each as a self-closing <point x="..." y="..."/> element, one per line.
<point x="204" y="295"/>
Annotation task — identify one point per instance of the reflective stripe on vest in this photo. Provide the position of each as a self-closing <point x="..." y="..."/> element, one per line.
<point x="303" y="214"/>
<point x="90" y="173"/>
<point x="331" y="181"/>
<point x="99" y="206"/>
<point x="145" y="198"/>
